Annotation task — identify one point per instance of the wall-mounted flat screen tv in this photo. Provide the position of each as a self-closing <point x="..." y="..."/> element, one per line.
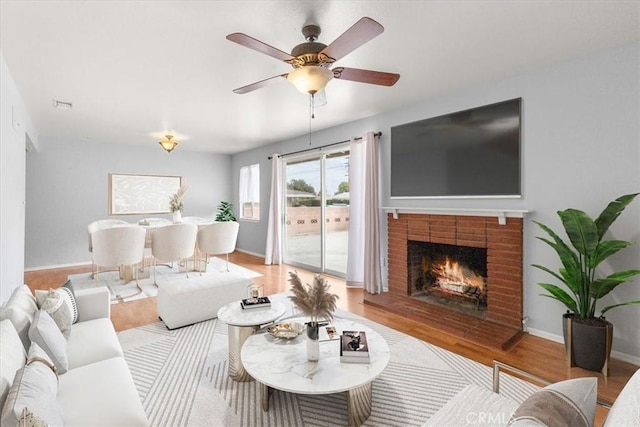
<point x="470" y="153"/>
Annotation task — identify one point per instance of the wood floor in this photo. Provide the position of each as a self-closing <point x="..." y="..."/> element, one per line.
<point x="541" y="357"/>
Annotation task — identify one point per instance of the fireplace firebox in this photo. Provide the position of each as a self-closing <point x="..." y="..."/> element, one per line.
<point x="449" y="275"/>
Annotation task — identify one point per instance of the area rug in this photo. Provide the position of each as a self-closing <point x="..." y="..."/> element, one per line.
<point x="123" y="292"/>
<point x="182" y="379"/>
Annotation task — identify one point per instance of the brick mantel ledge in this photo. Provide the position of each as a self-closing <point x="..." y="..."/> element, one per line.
<point x="501" y="214"/>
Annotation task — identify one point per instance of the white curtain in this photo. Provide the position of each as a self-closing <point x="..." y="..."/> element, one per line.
<point x="363" y="266"/>
<point x="273" y="252"/>
<point x="249" y="184"/>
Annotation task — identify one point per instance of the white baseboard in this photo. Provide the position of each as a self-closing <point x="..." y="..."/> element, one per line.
<point x="635" y="360"/>
<point x="50" y="267"/>
<point x="250" y="253"/>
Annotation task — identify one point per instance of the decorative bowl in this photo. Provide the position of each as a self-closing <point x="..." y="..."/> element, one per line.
<point x="286" y="330"/>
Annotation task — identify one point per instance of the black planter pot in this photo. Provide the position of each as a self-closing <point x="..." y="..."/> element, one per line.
<point x="590" y="343"/>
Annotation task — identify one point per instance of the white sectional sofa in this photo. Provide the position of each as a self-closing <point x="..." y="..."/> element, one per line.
<point x="96" y="390"/>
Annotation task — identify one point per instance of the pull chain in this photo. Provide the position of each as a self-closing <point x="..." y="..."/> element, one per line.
<point x="311" y="115"/>
<point x="313" y="106"/>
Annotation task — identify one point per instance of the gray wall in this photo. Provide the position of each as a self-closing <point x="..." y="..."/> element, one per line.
<point x="67" y="188"/>
<point x="581" y="149"/>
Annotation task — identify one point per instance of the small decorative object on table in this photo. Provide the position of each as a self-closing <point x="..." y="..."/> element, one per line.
<point x="175" y="204"/>
<point x="315" y="302"/>
<point x="354" y="347"/>
<point x="255" y="303"/>
<point x="286" y="330"/>
<point x="254" y="291"/>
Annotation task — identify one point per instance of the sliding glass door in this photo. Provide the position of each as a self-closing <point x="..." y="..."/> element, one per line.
<point x="316" y="210"/>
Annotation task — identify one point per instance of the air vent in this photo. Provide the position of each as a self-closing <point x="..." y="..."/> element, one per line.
<point x="62" y="105"/>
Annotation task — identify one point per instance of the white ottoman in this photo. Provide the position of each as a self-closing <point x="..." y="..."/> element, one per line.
<point x="198" y="298"/>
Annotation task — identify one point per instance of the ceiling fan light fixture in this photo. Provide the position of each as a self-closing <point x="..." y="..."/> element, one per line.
<point x="310" y="78"/>
<point x="168" y="145"/>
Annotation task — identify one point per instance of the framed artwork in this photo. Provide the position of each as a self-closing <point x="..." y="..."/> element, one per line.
<point x="141" y="194"/>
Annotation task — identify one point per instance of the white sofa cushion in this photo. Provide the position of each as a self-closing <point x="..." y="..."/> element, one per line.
<point x="93" y="303"/>
<point x="35" y="387"/>
<point x="101" y="394"/>
<point x="12" y="357"/>
<point x="92" y="341"/>
<point x="626" y="409"/>
<point x="20" y="309"/>
<point x="47" y="335"/>
<point x="474" y="406"/>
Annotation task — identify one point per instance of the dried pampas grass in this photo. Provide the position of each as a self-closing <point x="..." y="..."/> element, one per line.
<point x="314" y="301"/>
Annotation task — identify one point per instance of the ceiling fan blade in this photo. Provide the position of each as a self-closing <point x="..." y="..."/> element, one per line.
<point x="259" y="85"/>
<point x="359" y="33"/>
<point x="366" y="76"/>
<point x="251" y="43"/>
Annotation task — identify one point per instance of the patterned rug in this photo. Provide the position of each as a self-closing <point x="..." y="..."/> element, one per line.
<point x="182" y="380"/>
<point x="122" y="292"/>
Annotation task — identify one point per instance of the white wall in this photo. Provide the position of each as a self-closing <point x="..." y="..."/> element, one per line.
<point x="67" y="188"/>
<point x="581" y="145"/>
<point x="16" y="129"/>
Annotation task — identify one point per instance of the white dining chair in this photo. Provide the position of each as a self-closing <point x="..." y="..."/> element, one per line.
<point x="118" y="247"/>
<point x="218" y="238"/>
<point x="101" y="225"/>
<point x="175" y="242"/>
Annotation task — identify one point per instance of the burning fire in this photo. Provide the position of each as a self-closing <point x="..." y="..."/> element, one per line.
<point x="455" y="277"/>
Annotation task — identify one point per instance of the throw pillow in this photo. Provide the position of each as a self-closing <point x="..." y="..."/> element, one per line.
<point x="29" y="419"/>
<point x="47" y="335"/>
<point x="67" y="288"/>
<point x="35" y="387"/>
<point x="59" y="311"/>
<point x="38" y="355"/>
<point x="13" y="357"/>
<point x="20" y="309"/>
<point x="68" y="295"/>
<point x="566" y="403"/>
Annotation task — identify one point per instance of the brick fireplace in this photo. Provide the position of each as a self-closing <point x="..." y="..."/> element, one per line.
<point x="500" y="324"/>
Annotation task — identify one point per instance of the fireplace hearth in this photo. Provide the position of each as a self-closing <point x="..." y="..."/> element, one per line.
<point x="450" y="275"/>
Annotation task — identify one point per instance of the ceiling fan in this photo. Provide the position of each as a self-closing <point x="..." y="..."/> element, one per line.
<point x="312" y="61"/>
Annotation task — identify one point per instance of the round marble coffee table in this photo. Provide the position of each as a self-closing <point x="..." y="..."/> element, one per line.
<point x="241" y="325"/>
<point x="283" y="365"/>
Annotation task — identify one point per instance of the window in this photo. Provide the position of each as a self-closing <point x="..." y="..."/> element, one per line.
<point x="250" y="192"/>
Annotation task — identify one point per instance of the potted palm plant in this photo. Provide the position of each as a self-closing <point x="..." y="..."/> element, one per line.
<point x="225" y="212"/>
<point x="588" y="336"/>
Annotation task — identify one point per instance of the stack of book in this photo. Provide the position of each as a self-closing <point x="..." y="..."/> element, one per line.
<point x="354" y="347"/>
<point x="255" y="303"/>
<point x="328" y="333"/>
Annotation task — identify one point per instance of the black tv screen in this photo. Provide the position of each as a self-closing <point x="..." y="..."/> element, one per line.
<point x="470" y="153"/>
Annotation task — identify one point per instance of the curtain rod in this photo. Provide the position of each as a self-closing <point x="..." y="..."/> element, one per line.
<point x="358" y="138"/>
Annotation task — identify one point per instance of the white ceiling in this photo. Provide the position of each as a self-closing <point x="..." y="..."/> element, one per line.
<point x="137" y="69"/>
